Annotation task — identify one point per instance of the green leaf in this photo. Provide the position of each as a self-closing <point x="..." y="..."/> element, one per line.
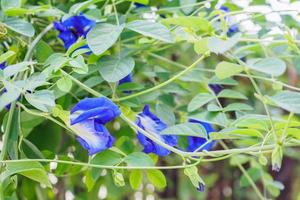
<point x="43" y="51"/>
<point x="186" y="129"/>
<point x="113" y="69"/>
<point x="79" y="65"/>
<point x="165" y="113"/>
<point x="144" y="2"/>
<point x="136" y="178"/>
<point x="234" y="133"/>
<point x="7" y="4"/>
<point x="271" y="66"/>
<point x="232" y="94"/>
<point x="11" y="70"/>
<point x="288" y="100"/>
<point x="201" y="46"/>
<point x="199" y="100"/>
<point x="20" y="26"/>
<point x="43" y="100"/>
<point x="103" y="36"/>
<point x="237" y="106"/>
<point x="77" y="7"/>
<point x="139" y="159"/>
<point x="64" y="84"/>
<point x="157" y="178"/>
<point x="107" y="157"/>
<point x="192" y="22"/>
<point x="151" y="29"/>
<point x="32" y="170"/>
<point x="6" y="55"/>
<point x="219" y="46"/>
<point x="255" y="175"/>
<point x="12" y="93"/>
<point x="227" y="69"/>
<point x="55" y="62"/>
<point x="34" y="81"/>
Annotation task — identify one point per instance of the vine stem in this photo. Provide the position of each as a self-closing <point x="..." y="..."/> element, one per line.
<point x="98" y="166"/>
<point x="166" y="82"/>
<point x="36" y="41"/>
<point x="240" y="166"/>
<point x="213" y="71"/>
<point x="83" y="86"/>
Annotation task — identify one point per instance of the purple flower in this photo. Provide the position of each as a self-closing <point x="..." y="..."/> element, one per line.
<point x="73" y="28"/>
<point x="87" y="120"/>
<point x="195" y="142"/>
<point x="153" y="125"/>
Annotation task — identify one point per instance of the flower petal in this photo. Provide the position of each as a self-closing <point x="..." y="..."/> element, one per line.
<point x="101" y="109"/>
<point x="92" y="136"/>
<point x="195" y="142"/>
<point x="153" y="125"/>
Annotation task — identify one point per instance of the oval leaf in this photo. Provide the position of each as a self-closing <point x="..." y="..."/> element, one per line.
<point x="102" y="37"/>
<point x="151" y="29"/>
<point x="113" y="69"/>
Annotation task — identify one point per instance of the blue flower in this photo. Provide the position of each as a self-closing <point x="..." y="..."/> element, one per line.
<point x="73" y="28"/>
<point x="93" y="136"/>
<point x="126" y="79"/>
<point x="233" y="28"/>
<point x="196" y="142"/>
<point x="153" y="125"/>
<point x="216" y="88"/>
<point x="2" y="65"/>
<point x="139" y="5"/>
<point x="100" y="109"/>
<point x="87" y="120"/>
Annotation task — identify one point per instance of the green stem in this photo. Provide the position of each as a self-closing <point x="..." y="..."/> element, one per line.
<point x="83" y="86"/>
<point x="257" y="191"/>
<point x="166" y="82"/>
<point x="97" y="166"/>
<point x="7" y="130"/>
<point x="36" y="41"/>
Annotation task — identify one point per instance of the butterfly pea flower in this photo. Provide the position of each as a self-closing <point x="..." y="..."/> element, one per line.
<point x="195" y="143"/>
<point x="126" y="79"/>
<point x="93" y="136"/>
<point x="88" y="118"/>
<point x="233" y="28"/>
<point x="153" y="125"/>
<point x="2" y="65"/>
<point x="216" y="88"/>
<point x="100" y="109"/>
<point x="73" y="28"/>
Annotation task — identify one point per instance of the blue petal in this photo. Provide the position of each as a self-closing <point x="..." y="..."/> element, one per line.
<point x="101" y="109"/>
<point x="73" y="28"/>
<point x="153" y="125"/>
<point x="216" y="88"/>
<point x="68" y="38"/>
<point x="126" y="79"/>
<point x="196" y="142"/>
<point x="224" y="8"/>
<point x="2" y="65"/>
<point x="92" y="136"/>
